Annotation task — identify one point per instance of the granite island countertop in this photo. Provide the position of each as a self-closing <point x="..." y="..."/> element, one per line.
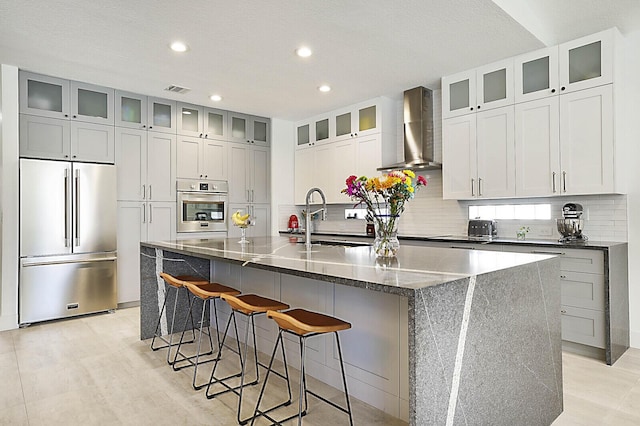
<point x="413" y="268"/>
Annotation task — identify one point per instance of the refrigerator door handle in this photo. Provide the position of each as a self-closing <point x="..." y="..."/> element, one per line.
<point x="66" y="208"/>
<point x="77" y="208"/>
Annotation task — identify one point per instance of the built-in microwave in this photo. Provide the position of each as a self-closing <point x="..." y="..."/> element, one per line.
<point x="201" y="205"/>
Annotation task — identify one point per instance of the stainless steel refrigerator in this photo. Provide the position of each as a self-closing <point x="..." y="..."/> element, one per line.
<point x="67" y="239"/>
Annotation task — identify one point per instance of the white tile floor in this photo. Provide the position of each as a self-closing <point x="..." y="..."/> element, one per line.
<point x="94" y="370"/>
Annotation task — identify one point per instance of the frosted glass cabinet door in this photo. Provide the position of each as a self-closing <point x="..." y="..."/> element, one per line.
<point x="260" y="131"/>
<point x="536" y="75"/>
<point x="238" y="127"/>
<point x="91" y="104"/>
<point x="215" y="123"/>
<point x="162" y="115"/>
<point x="302" y="135"/>
<point x="131" y="110"/>
<point x="43" y="95"/>
<point x="587" y="62"/>
<point x="459" y="94"/>
<point x="343" y="125"/>
<point x="190" y="120"/>
<point x="494" y="85"/>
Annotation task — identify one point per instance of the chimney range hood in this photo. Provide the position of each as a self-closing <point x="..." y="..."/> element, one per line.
<point x="418" y="132"/>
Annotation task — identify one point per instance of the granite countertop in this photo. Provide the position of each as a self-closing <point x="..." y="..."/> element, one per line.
<point x="357" y="239"/>
<point x="414" y="267"/>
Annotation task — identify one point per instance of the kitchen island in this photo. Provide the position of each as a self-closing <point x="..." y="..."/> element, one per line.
<point x="440" y="336"/>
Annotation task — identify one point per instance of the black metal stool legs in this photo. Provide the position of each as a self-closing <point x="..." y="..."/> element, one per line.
<point x="158" y="332"/>
<point x="303" y="383"/>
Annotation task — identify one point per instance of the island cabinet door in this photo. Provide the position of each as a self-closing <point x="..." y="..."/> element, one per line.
<point x="372" y="347"/>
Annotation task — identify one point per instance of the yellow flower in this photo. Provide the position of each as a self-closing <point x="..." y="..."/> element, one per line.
<point x="409" y="173"/>
<point x="410" y="188"/>
<point x="408" y="181"/>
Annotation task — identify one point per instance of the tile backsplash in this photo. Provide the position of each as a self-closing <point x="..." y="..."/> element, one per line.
<point x="429" y="215"/>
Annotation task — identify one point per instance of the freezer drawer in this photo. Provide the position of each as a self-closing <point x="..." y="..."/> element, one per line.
<point x="56" y="288"/>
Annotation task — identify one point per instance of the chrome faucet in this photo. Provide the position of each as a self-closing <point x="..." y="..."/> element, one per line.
<point x="308" y="215"/>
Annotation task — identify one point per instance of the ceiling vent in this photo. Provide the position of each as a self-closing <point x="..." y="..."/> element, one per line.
<point x="177" y="89"/>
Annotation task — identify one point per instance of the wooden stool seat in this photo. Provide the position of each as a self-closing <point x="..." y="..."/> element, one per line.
<point x="252" y="303"/>
<point x="209" y="290"/>
<point x="301" y="322"/>
<point x="179" y="281"/>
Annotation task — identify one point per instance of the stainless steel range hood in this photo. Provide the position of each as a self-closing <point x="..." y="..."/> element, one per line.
<point x="418" y="132"/>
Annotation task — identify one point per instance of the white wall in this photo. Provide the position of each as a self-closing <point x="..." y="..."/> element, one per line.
<point x="9" y="196"/>
<point x="282" y="171"/>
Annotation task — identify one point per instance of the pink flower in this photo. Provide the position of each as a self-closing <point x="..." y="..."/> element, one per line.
<point x="422" y="180"/>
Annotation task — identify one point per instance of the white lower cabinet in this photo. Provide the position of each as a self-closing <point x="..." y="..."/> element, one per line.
<point x="139" y="221"/>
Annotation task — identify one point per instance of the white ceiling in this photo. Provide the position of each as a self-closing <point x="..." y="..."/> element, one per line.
<point x="244" y="50"/>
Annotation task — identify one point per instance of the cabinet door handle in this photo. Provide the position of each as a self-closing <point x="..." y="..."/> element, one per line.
<point x="553" y="181"/>
<point x="252" y="196"/>
<point x="144" y="192"/>
<point x="150" y="213"/>
<point x="473" y="182"/>
<point x="144" y="213"/>
<point x="150" y="196"/>
<point x="553" y="90"/>
<point x="563" y="277"/>
<point x="479" y="187"/>
<point x="248" y="199"/>
<point x="562" y="311"/>
<point x="564" y="181"/>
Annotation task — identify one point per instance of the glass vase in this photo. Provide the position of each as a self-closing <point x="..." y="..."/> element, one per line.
<point x="386" y="242"/>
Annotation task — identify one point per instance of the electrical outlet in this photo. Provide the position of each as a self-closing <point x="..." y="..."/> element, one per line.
<point x="545" y="231"/>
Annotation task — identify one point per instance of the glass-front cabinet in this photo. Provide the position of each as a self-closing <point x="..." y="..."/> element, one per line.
<point x="484" y="88"/>
<point x="587" y="62"/>
<point x="44" y="96"/>
<point x="92" y="104"/>
<point x="358" y="120"/>
<point x="131" y="110"/>
<point x="161" y="115"/>
<point x="189" y="119"/>
<point x="303" y="134"/>
<point x="215" y="123"/>
<point x="249" y="129"/>
<point x="536" y="75"/>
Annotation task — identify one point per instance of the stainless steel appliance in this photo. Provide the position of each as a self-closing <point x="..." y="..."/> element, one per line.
<point x="67" y="239"/>
<point x="571" y="224"/>
<point x="202" y="205"/>
<point x="482" y="229"/>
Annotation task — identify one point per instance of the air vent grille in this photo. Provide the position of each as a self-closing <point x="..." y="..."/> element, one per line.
<point x="177" y="89"/>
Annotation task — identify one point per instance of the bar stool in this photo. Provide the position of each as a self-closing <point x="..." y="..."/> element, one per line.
<point x="305" y="324"/>
<point x="249" y="305"/>
<point x="173" y="283"/>
<point x="205" y="293"/>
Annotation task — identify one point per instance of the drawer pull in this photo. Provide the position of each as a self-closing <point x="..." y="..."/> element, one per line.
<point x="562" y="311"/>
<point x="563" y="277"/>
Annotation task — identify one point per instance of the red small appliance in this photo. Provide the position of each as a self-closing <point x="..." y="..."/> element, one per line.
<point x="293" y="223"/>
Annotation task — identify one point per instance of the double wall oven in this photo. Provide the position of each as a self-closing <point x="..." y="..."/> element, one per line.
<point x="202" y="206"/>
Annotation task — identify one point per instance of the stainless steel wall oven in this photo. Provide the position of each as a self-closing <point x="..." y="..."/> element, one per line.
<point x="202" y="205"/>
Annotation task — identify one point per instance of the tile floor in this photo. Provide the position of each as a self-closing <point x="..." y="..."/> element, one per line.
<point x="95" y="371"/>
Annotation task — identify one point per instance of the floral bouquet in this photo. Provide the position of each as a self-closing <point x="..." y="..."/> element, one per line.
<point x="384" y="197"/>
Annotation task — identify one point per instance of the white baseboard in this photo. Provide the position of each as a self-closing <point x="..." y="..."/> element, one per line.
<point x="8" y="322"/>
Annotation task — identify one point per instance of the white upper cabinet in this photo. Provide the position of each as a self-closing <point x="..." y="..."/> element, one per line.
<point x="214" y="123"/>
<point x="92" y="104"/>
<point x="44" y="96"/>
<point x="484" y="88"/>
<point x="249" y="129"/>
<point x="587" y="62"/>
<point x="131" y="110"/>
<point x="161" y="115"/>
<point x="536" y="75"/>
<point x="58" y="98"/>
<point x="316" y="130"/>
<point x="190" y="121"/>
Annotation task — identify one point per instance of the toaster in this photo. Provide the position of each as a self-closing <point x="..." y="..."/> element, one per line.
<point x="482" y="228"/>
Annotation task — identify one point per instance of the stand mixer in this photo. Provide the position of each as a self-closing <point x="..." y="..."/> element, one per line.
<point x="571" y="224"/>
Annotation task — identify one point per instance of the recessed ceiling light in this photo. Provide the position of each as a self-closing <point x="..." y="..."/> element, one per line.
<point x="303" y="52"/>
<point x="215" y="98"/>
<point x="324" y="88"/>
<point x="178" y="46"/>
